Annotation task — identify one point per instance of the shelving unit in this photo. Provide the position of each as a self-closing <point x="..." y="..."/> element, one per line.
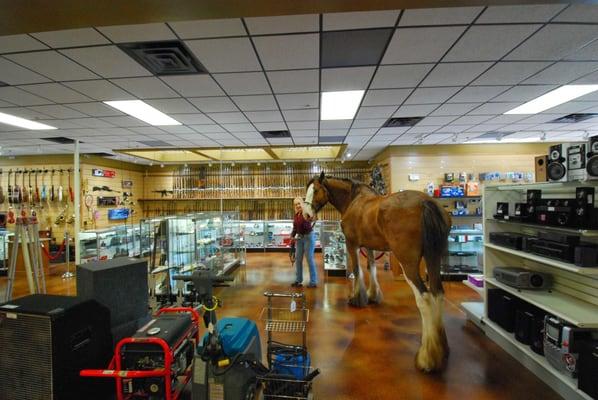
<point x="470" y="285"/>
<point x="574" y="293"/>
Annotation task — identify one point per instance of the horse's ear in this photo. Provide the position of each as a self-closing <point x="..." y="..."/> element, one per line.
<point x="322" y="176"/>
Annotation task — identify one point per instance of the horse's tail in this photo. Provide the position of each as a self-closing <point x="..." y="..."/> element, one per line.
<point x="436" y="225"/>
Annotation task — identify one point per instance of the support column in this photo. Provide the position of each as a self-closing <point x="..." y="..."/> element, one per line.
<point x="77" y="205"/>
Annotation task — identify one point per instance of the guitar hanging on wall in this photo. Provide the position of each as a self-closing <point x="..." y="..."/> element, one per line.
<point x="60" y="187"/>
<point x="44" y="192"/>
<point x="18" y="196"/>
<point x="52" y="194"/>
<point x="1" y="190"/>
<point x="36" y="198"/>
<point x="71" y="194"/>
<point x="10" y="198"/>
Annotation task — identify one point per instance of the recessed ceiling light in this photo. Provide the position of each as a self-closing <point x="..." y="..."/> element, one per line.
<point x="22" y="122"/>
<point x="553" y="98"/>
<point x="340" y="105"/>
<point x="143" y="111"/>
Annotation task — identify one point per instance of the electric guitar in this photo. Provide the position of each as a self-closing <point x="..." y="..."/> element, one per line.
<point x="71" y="194"/>
<point x="17" y="193"/>
<point x="25" y="192"/>
<point x="60" y="188"/>
<point x="1" y="190"/>
<point x="11" y="216"/>
<point x="36" y="197"/>
<point x="30" y="191"/>
<point x="9" y="187"/>
<point x="52" y="196"/>
<point x="44" y="193"/>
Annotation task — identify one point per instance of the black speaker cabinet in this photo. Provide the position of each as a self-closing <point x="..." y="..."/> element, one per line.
<point x="529" y="325"/>
<point x="502" y="308"/>
<point x="588" y="368"/>
<point x="532" y="198"/>
<point x="541" y="162"/>
<point x="119" y="284"/>
<point x="584" y="207"/>
<point x="46" y="340"/>
<point x="556" y="170"/>
<point x="592" y="158"/>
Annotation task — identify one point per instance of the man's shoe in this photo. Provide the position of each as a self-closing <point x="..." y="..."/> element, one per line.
<point x="312" y="285"/>
<point x="297" y="284"/>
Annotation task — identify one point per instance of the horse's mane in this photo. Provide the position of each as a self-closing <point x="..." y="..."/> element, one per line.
<point x="356" y="186"/>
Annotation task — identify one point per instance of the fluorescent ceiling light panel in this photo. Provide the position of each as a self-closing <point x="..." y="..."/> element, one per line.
<point x="170" y="156"/>
<point x="308" y="152"/>
<point x="22" y="122"/>
<point x="554" y="98"/>
<point x="340" y="105"/>
<point x="143" y="111"/>
<point x="247" y="154"/>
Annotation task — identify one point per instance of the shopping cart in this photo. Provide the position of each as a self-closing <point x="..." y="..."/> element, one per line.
<point x="290" y="373"/>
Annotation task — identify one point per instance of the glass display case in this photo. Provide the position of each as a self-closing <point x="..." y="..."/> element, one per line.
<point x="4" y="237"/>
<point x="253" y="234"/>
<point x="108" y="243"/>
<point x="334" y="250"/>
<point x="465" y="251"/>
<point x="233" y="245"/>
<point x="278" y="234"/>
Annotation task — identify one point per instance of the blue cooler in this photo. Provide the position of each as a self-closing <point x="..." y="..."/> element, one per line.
<point x="291" y="363"/>
<point x="239" y="335"/>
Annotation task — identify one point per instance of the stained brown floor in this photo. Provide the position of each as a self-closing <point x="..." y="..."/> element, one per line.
<point x="368" y="353"/>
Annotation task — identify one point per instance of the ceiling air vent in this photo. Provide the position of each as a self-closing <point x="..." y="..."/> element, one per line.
<point x="275" y="134"/>
<point x="331" y="139"/>
<point x="155" y="143"/>
<point x="403" y="121"/>
<point x="573" y="118"/>
<point x="164" y="58"/>
<point x="60" y="139"/>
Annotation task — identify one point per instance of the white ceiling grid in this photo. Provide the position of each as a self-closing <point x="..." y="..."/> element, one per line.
<point x="459" y="68"/>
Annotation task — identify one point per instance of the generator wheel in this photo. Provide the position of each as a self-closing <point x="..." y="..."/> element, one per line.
<point x="255" y="392"/>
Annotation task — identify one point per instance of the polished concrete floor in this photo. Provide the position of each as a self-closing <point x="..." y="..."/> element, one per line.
<point x="368" y="353"/>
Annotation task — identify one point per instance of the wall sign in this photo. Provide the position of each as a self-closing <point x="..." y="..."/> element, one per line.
<point x="105" y="173"/>
<point x="118" y="213"/>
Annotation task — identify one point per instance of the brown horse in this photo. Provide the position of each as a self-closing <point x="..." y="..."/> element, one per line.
<point x="411" y="225"/>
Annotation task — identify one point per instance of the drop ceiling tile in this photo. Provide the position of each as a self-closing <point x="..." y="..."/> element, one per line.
<point x="280" y="141"/>
<point x="95" y="109"/>
<point x="356" y="141"/>
<point x="519" y="13"/>
<point x="439" y="16"/>
<point x="431" y="95"/>
<point x="192" y="119"/>
<point x="579" y="13"/>
<point x="381" y="97"/>
<point x="264" y="116"/>
<point x="107" y="61"/>
<point x="53" y="65"/>
<point x="228" y="117"/>
<point x="420" y="45"/>
<point x="146" y="87"/>
<point x="454" y="109"/>
<point x="124" y="122"/>
<point x="270" y="126"/>
<point x="71" y="38"/>
<point x="137" y="33"/>
<point x="589" y="52"/>
<point x="208" y="129"/>
<point x="248" y="135"/>
<point x="340" y="124"/>
<point x="29" y="113"/>
<point x="333" y="132"/>
<point x="486" y="127"/>
<point x="100" y="90"/>
<point x="354" y="47"/>
<point x="243" y="83"/>
<point x="57" y="111"/>
<point x="148" y="131"/>
<point x="288" y="51"/>
<point x="298" y="101"/>
<point x="362" y="131"/>
<point x="353" y="78"/>
<point x="454" y="128"/>
<point x="400" y="76"/>
<point x="283" y="24"/>
<point x="208" y="28"/>
<point x="92" y="123"/>
<point x="305" y="140"/>
<point x="177" y="129"/>
<point x="304" y="133"/>
<point x="436" y="121"/>
<point x="423" y="129"/>
<point x="14" y="74"/>
<point x="538" y="119"/>
<point x="563" y="72"/>
<point x="494" y="108"/>
<point x="471" y="119"/>
<point x="256" y="103"/>
<point x="454" y="74"/>
<point x="301" y="115"/>
<point x="489" y="43"/>
<point x="509" y="73"/>
<point x="554" y="42"/>
<point x="436" y="138"/>
<point x="173" y="106"/>
<point x="505" y="119"/>
<point x="225" y="55"/>
<point x="56" y="92"/>
<point x="369" y="123"/>
<point x="375" y="112"/>
<point x="303" y="125"/>
<point x="572" y="107"/>
<point x="523" y="93"/>
<point x="213" y="104"/>
<point x="193" y="85"/>
<point x="415" y="110"/>
<point x="17" y="43"/>
<point x="246" y="128"/>
<point x="306" y="80"/>
<point x="359" y="20"/>
<point x="472" y="94"/>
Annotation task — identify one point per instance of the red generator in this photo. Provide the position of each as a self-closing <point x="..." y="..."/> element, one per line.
<point x="156" y="363"/>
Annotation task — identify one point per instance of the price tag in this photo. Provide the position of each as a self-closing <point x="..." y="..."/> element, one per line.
<point x="293" y="306"/>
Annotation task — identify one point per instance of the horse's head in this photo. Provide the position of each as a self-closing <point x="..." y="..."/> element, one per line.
<point x="316" y="196"/>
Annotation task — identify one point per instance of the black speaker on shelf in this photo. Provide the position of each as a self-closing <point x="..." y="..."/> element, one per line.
<point x="502" y="307"/>
<point x="588" y="368"/>
<point x="529" y="324"/>
<point x="533" y="198"/>
<point x="584" y="207"/>
<point x="592" y="158"/>
<point x="557" y="163"/>
<point x="576" y="162"/>
<point x="502" y="210"/>
<point x="46" y="340"/>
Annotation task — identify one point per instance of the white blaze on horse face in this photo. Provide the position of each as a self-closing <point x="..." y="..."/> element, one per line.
<point x="308" y="210"/>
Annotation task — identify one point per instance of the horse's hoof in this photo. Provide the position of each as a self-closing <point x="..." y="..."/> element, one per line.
<point x="358" y="301"/>
<point x="431" y="362"/>
<point x="376" y="298"/>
